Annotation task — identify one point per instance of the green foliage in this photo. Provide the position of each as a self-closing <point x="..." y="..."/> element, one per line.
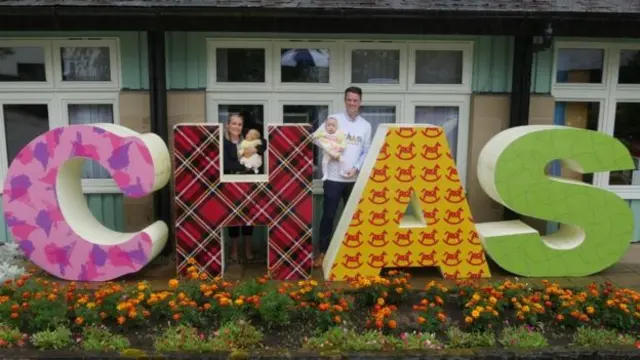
<point x="522" y="337"/>
<point x="275" y="309"/>
<point x="459" y="339"/>
<point x="595" y="338"/>
<point x="56" y="339"/>
<point x="101" y="339"/>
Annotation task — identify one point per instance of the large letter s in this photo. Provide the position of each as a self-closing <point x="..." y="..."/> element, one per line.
<point x="47" y="213"/>
<point x="597" y="224"/>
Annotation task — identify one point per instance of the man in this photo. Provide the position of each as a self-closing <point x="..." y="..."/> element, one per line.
<point x="341" y="175"/>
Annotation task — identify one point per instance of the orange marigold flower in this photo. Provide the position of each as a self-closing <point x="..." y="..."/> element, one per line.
<point x="79" y="320"/>
<point x="176" y="317"/>
<point x="121" y="320"/>
<point x="14" y="315"/>
<point x="468" y="319"/>
<point x="173" y="283"/>
<point x="421" y="320"/>
<point x="392" y="324"/>
<point x="337" y="319"/>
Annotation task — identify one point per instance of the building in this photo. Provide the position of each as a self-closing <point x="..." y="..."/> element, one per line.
<point x="476" y="67"/>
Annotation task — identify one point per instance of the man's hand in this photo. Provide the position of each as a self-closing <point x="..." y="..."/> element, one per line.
<point x="351" y="173"/>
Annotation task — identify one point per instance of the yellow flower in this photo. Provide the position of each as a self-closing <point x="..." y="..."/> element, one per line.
<point x="468" y="320"/>
<point x="590" y="310"/>
<point x="239" y="302"/>
<point x="493" y="300"/>
<point x="525" y="308"/>
<point x="475" y="314"/>
<point x="91" y="305"/>
<point x="476" y="297"/>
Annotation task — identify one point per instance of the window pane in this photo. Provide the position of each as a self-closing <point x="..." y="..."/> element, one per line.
<point x="377" y="115"/>
<point x="580" y="66"/>
<point x="627" y="130"/>
<point x="304" y="65"/>
<point x="375" y="66"/>
<point x="86" y="63"/>
<point x="444" y="116"/>
<point x="438" y="67"/>
<point x="22" y="64"/>
<point x="308" y="114"/>
<point x="91" y="114"/>
<point x="582" y="115"/>
<point x="240" y="65"/>
<point x="629" y="67"/>
<point x="23" y="123"/>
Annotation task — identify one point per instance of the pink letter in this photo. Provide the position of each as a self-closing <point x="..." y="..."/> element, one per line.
<point x="45" y="208"/>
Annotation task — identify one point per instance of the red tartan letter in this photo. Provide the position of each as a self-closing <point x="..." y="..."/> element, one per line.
<point x="205" y="204"/>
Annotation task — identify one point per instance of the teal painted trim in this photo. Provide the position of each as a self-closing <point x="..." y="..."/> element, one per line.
<point x="492" y="64"/>
<point x="542" y="72"/>
<point x="107" y="208"/>
<point x="186" y="54"/>
<point x="133" y="52"/>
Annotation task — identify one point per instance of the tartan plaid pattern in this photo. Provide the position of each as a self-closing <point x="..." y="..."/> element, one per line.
<point x="205" y="205"/>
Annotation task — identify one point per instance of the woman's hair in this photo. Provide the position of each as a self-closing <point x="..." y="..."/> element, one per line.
<point x="226" y="126"/>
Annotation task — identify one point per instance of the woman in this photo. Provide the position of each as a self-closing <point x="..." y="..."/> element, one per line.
<point x="233" y="135"/>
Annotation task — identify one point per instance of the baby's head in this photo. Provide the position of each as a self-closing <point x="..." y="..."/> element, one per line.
<point x="252" y="134"/>
<point x="331" y="125"/>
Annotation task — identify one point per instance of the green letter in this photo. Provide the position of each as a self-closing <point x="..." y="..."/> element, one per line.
<point x="597" y="225"/>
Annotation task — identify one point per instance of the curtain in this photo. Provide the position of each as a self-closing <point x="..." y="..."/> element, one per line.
<point x="85" y="64"/>
<point x="91" y="114"/>
<point x="377" y="115"/>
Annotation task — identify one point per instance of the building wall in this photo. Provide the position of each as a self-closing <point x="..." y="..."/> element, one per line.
<point x="113" y="210"/>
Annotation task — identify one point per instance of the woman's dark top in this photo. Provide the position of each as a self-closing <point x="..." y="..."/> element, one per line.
<point x="230" y="162"/>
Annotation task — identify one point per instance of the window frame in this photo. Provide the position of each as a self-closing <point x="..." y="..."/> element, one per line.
<point x="609" y="94"/>
<point x="466" y="47"/>
<point x="48" y="66"/>
<point x="114" y="63"/>
<point x="231" y="43"/>
<point x="350" y="46"/>
<point x="335" y="55"/>
<point x="274" y="95"/>
<point x="59" y="94"/>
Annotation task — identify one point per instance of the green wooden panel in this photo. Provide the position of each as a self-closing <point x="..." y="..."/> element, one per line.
<point x="541" y="72"/>
<point x="492" y="64"/>
<point x="635" y="207"/>
<point x="133" y="51"/>
<point x="107" y="208"/>
<point x="187" y="57"/>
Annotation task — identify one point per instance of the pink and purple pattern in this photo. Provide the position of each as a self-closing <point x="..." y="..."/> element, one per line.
<point x="33" y="213"/>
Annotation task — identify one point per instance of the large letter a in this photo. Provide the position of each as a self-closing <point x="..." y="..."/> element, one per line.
<point x="408" y="209"/>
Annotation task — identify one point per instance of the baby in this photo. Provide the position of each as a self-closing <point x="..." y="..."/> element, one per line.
<point x="332" y="140"/>
<point x="252" y="140"/>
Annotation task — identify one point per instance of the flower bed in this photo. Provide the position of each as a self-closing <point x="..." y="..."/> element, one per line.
<point x="371" y="315"/>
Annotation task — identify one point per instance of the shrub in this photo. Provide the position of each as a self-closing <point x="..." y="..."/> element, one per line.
<point x="595" y="338"/>
<point x="52" y="339"/>
<point x="462" y="340"/>
<point x="522" y="337"/>
<point x="101" y="339"/>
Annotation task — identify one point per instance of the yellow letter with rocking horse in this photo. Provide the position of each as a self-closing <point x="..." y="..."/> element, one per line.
<point x="408" y="208"/>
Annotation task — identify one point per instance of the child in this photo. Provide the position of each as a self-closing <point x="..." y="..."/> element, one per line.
<point x="251" y="140"/>
<point x="333" y="142"/>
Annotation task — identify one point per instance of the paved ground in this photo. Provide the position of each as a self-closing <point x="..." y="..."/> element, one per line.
<point x="625" y="273"/>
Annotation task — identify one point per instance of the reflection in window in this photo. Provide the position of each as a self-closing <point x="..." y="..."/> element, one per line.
<point x="240" y="65"/>
<point x="23" y="123"/>
<point x="85" y="63"/>
<point x="581" y="115"/>
<point x="377" y="115"/>
<point x="438" y="67"/>
<point x="629" y="67"/>
<point x="627" y="130"/>
<point x="375" y="66"/>
<point x="22" y="64"/>
<point x="304" y="65"/>
<point x="91" y="114"/>
<point x="308" y="114"/>
<point x="444" y="116"/>
<point x="580" y="66"/>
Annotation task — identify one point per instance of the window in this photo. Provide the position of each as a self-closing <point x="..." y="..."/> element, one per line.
<point x="49" y="83"/>
<point x="295" y="81"/>
<point x="597" y="87"/>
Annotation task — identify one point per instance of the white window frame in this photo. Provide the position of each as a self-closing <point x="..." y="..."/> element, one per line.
<point x="114" y="62"/>
<point x="609" y="94"/>
<point x="403" y="96"/>
<point x="58" y="94"/>
<point x="19" y="99"/>
<point x="335" y="55"/>
<point x="48" y="66"/>
<point x="350" y="46"/>
<point x="462" y="102"/>
<point x="102" y="186"/>
<point x="466" y="47"/>
<point x="213" y="84"/>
